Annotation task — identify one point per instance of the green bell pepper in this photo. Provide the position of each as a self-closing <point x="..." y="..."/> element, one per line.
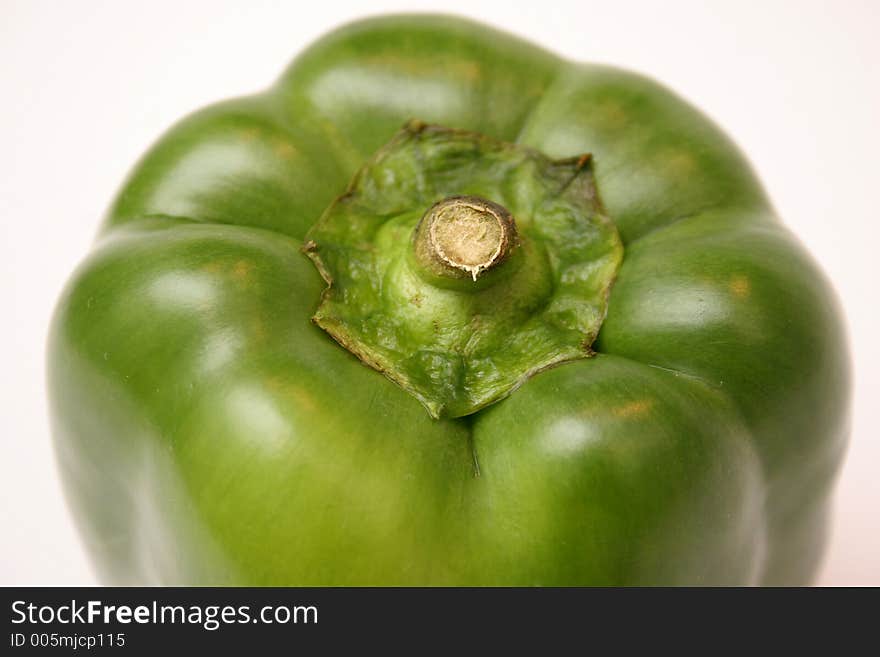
<point x="440" y="308"/>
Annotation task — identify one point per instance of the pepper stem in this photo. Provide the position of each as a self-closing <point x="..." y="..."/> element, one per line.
<point x="464" y="236"/>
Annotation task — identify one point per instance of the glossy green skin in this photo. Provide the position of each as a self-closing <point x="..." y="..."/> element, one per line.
<point x="208" y="433"/>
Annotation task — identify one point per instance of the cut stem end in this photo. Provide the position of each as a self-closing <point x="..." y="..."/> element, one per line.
<point x="464" y="236"/>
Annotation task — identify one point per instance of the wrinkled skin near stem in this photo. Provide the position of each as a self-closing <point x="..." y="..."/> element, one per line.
<point x="208" y="432"/>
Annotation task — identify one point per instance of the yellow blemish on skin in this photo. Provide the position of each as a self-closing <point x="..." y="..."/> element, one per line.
<point x="303" y="399"/>
<point x="212" y="267"/>
<point x="250" y="134"/>
<point x="242" y="270"/>
<point x="678" y="164"/>
<point x="635" y="408"/>
<point x="613" y="115"/>
<point x="258" y="330"/>
<point x="469" y="71"/>
<point x="284" y="149"/>
<point x="740" y="286"/>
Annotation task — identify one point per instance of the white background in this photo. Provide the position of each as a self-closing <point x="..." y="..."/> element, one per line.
<point x="85" y="87"/>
